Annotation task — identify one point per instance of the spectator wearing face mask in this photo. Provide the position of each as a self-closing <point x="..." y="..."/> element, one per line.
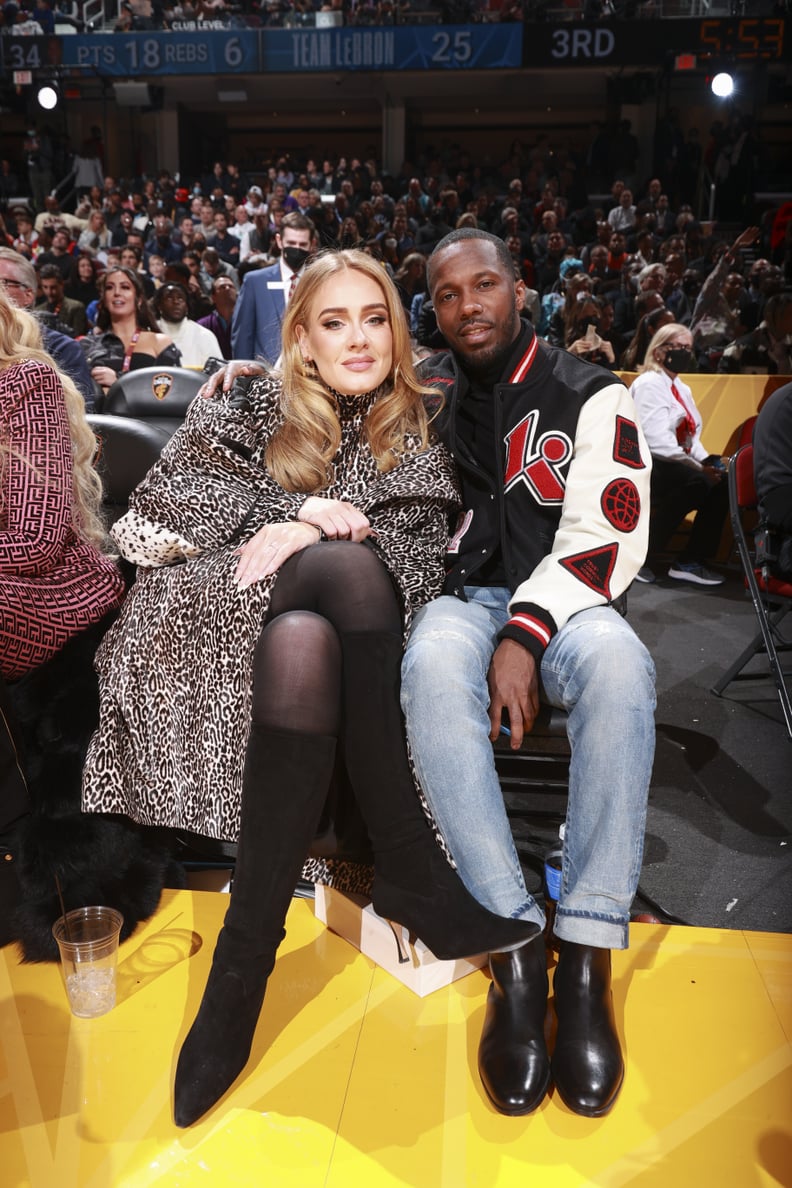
<point x="685" y="476"/>
<point x="265" y="293"/>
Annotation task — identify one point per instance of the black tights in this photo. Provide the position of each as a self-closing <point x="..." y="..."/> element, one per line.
<point x="322" y="593"/>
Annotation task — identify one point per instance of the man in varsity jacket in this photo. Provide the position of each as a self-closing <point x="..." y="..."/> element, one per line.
<point x="555" y="481"/>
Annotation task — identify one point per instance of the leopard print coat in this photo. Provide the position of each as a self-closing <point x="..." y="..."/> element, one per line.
<point x="175" y="670"/>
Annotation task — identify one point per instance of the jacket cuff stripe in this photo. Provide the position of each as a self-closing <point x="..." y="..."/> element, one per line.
<point x="534" y="626"/>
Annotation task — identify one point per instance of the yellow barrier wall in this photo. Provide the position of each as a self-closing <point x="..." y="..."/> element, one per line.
<point x="725" y="402"/>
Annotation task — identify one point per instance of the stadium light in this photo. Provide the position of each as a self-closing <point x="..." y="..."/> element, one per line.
<point x="722" y="85"/>
<point x="47" y="96"/>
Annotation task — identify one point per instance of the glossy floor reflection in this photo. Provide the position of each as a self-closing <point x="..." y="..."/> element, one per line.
<point x="356" y="1081"/>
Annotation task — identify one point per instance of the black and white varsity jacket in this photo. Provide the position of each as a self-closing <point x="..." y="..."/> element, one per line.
<point x="572" y="502"/>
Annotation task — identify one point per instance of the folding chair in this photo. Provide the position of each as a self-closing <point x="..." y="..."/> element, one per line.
<point x="771" y="597"/>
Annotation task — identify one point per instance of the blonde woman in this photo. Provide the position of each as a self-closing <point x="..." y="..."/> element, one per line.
<point x="54" y="579"/>
<point x="685" y="476"/>
<point x="310" y="516"/>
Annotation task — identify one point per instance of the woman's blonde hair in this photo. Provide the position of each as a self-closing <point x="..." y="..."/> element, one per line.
<point x="300" y="454"/>
<point x="20" y="341"/>
<point x="658" y="339"/>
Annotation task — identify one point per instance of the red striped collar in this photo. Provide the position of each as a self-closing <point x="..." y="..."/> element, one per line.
<point x="525" y="364"/>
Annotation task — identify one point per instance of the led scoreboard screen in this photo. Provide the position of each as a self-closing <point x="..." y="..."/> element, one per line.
<point x="507" y="46"/>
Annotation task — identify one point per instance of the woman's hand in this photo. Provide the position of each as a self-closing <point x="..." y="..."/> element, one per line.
<point x="265" y="552"/>
<point x="338" y="519"/>
<point x="104" y="376"/>
<point x="225" y="377"/>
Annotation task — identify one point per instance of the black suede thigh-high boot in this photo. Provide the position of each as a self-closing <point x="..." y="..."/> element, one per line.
<point x="413" y="881"/>
<point x="349" y="586"/>
<point x="287" y="774"/>
<point x="587" y="1064"/>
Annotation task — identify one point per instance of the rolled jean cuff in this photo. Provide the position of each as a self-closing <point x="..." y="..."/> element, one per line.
<point x="531" y="912"/>
<point x="586" y="928"/>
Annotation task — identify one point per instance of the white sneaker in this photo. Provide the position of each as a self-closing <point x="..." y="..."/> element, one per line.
<point x="692" y="571"/>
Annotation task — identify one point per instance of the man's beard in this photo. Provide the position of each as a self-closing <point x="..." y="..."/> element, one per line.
<point x="488" y="364"/>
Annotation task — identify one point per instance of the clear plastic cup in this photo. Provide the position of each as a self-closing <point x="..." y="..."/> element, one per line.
<point x="88" y="942"/>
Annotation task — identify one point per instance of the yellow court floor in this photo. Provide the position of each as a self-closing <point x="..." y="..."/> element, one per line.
<point x="355" y="1081"/>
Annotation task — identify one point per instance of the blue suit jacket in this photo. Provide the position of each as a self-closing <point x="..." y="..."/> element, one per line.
<point x="258" y="316"/>
<point x="70" y="357"/>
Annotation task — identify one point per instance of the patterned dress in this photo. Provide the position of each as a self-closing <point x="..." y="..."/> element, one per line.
<point x="52" y="584"/>
<point x="176" y="668"/>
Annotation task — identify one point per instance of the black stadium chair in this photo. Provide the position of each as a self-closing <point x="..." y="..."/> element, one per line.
<point x="542" y="762"/>
<point x="161" y="394"/>
<point x="771" y="596"/>
<point x="127" y="449"/>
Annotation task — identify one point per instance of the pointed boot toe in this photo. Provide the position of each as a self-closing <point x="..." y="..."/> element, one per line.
<point x="423" y="892"/>
<point x="513" y="1062"/>
<point x="217" y="1046"/>
<point x="587" y="1065"/>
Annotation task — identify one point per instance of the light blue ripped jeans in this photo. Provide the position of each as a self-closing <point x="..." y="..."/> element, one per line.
<point x="596" y="669"/>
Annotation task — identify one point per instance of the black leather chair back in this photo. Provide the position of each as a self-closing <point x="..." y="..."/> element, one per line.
<point x="161" y="394"/>
<point x="128" y="448"/>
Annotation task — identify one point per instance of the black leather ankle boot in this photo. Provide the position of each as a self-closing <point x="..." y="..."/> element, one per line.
<point x="588" y="1068"/>
<point x="513" y="1062"/>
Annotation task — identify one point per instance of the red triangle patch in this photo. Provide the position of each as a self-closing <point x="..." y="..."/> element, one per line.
<point x="594" y="568"/>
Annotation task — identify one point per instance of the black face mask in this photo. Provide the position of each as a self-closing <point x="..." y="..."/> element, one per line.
<point x="295" y="257"/>
<point x="678" y="359"/>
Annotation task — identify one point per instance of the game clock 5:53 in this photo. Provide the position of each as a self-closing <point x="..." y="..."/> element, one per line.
<point x="749" y="38"/>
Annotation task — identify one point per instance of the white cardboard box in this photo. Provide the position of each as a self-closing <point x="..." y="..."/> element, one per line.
<point x="353" y="918"/>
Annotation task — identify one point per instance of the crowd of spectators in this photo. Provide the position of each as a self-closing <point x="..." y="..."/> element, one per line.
<point x="602" y="273"/>
<point x="39" y="17"/>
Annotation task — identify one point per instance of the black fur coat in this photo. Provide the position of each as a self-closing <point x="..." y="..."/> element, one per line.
<point x="97" y="859"/>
